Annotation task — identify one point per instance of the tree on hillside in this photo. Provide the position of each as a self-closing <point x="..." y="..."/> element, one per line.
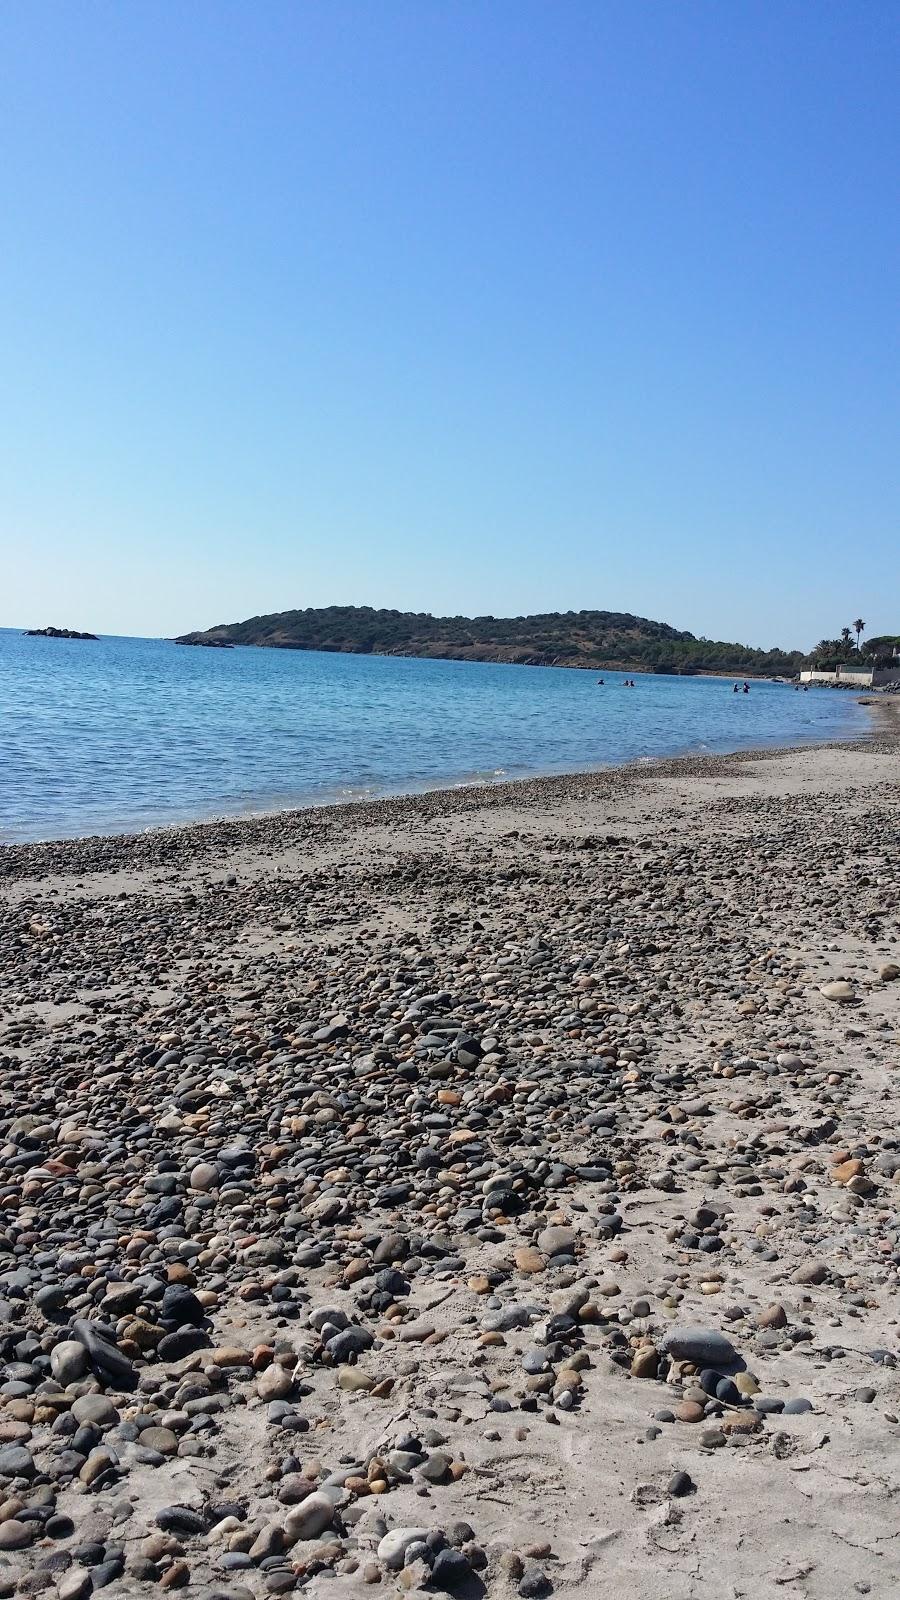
<point x="858" y="628"/>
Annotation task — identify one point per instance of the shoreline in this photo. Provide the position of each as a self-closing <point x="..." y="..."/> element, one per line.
<point x="884" y="725"/>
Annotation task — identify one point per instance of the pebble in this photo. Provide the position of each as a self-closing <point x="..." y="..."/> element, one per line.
<point x="839" y="991"/>
<point x="680" y="1483"/>
<point x="15" y="1535"/>
<point x="689" y="1411"/>
<point x="394" y="1545"/>
<point x="68" y="1361"/>
<point x="703" y="1347"/>
<point x="326" y="1186"/>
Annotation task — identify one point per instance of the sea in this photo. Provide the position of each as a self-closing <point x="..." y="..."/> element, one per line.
<point x="125" y="734"/>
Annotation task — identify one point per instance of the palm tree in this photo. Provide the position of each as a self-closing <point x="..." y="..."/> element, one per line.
<point x="858" y="628"/>
<point x="845" y="636"/>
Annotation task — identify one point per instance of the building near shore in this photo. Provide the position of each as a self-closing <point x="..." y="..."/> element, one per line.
<point x="850" y="678"/>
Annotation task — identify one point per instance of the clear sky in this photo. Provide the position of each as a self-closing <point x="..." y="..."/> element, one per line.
<point x="460" y="307"/>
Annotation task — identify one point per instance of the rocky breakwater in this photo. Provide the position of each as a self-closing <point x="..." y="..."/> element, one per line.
<point x="482" y="1217"/>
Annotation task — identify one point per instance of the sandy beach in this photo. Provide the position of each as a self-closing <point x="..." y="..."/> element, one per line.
<point x="490" y="1191"/>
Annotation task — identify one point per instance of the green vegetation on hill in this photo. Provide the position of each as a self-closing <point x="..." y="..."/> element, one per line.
<point x="594" y="639"/>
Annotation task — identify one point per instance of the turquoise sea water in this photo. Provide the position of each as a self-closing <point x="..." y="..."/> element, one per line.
<point x="126" y="734"/>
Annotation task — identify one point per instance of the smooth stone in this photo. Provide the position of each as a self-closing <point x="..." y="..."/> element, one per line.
<point x="533" y="1583"/>
<point x="94" y="1409"/>
<point x="274" y="1383"/>
<point x="162" y="1440"/>
<point x="689" y="1411"/>
<point x="16" y="1462"/>
<point x="68" y="1361"/>
<point x="774" y="1316"/>
<point x="703" y="1347"/>
<point x="529" y="1260"/>
<point x="415" y="1332"/>
<point x="180" y="1519"/>
<point x="394" y="1545"/>
<point x="644" y="1363"/>
<point x="106" y="1358"/>
<point x="813" y="1272"/>
<point x="204" y="1176"/>
<point x="310" y="1518"/>
<point x="679" y="1484"/>
<point x="838" y="990"/>
<point x="728" y="1392"/>
<point x="15" y="1535"/>
<point x="75" y="1584"/>
<point x="450" y="1570"/>
<point x="556" y="1241"/>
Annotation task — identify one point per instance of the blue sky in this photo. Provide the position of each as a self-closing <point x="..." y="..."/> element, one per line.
<point x="461" y="307"/>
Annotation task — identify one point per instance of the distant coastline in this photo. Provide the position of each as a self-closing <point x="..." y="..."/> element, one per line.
<point x="594" y="641"/>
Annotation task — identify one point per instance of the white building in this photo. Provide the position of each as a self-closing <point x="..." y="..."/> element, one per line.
<point x="873" y="678"/>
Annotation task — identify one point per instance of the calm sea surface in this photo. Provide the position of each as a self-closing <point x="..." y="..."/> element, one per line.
<point x="125" y="734"/>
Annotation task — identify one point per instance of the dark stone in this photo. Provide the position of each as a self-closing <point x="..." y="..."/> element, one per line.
<point x="107" y="1572"/>
<point x="180" y="1519"/>
<point x="679" y="1484"/>
<point x="450" y="1570"/>
<point x="534" y="1582"/>
<point x="180" y="1306"/>
<point x="183" y="1342"/>
<point x="105" y="1356"/>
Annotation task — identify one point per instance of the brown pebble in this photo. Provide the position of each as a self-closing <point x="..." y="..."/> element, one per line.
<point x="645" y="1362"/>
<point x="689" y="1411"/>
<point x="176" y="1576"/>
<point x="774" y="1316"/>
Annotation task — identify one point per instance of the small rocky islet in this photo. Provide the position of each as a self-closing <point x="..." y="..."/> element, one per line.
<point x="58" y="633"/>
<point x="487" y="1193"/>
